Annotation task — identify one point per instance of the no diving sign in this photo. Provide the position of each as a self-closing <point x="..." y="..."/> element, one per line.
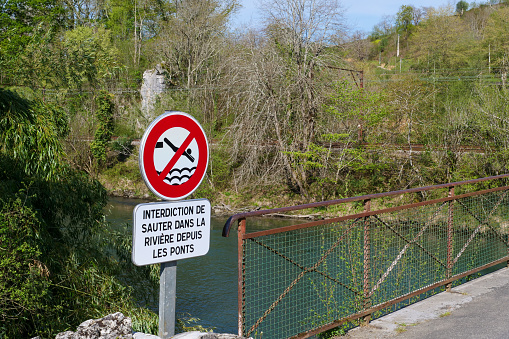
<point x="174" y="155"/>
<point x="173" y="159"/>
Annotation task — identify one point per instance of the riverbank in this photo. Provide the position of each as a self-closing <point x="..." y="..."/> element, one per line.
<point x="124" y="180"/>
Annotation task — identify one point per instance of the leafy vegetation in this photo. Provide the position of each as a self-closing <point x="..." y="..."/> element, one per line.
<point x="296" y="112"/>
<point x="56" y="264"/>
<point x="104" y="132"/>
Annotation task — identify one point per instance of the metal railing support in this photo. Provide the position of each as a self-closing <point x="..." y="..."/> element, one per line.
<point x="450" y="223"/>
<point x="241" y="280"/>
<point x="367" y="264"/>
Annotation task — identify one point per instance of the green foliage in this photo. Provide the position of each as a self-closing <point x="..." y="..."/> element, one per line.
<point x="23" y="17"/>
<point x="30" y="133"/>
<point x="104" y="116"/>
<point x="404" y="18"/>
<point x="187" y="323"/>
<point x="90" y="56"/>
<point x="315" y="119"/>
<point x="57" y="266"/>
<point x="129" y="170"/>
<point x="441" y="42"/>
<point x="123" y="147"/>
<point x="219" y="170"/>
<point x="356" y="104"/>
<point x="497" y="39"/>
<point x="145" y="321"/>
<point x="334" y="332"/>
<point x="461" y="7"/>
<point x="62" y="260"/>
<point x="24" y="283"/>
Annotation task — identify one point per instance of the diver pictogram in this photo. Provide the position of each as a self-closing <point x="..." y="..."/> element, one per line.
<point x="174" y="155"/>
<point x="182" y="168"/>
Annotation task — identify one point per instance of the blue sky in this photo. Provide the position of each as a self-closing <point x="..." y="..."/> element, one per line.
<point x="360" y="14"/>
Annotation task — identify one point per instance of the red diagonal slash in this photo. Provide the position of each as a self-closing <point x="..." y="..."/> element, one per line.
<point x="176" y="156"/>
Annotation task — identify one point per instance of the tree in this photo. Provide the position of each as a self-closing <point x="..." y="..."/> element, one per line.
<point x="477" y="19"/>
<point x="385" y="26"/>
<point x="23" y="277"/>
<point x="20" y="18"/>
<point x="30" y="135"/>
<point x="358" y="45"/>
<point x="404" y="19"/>
<point x="90" y="57"/>
<point x="408" y="121"/>
<point x="191" y="48"/>
<point x="278" y="81"/>
<point x="192" y="38"/>
<point x="497" y="40"/>
<point x="440" y="41"/>
<point x="381" y="33"/>
<point x="24" y="23"/>
<point x="104" y="132"/>
<point x="461" y="7"/>
<point x="419" y="14"/>
<point x="148" y="20"/>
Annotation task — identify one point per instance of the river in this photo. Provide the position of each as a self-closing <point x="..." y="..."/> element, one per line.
<point x="206" y="285"/>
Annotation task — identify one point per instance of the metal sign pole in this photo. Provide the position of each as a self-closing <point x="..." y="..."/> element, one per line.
<point x="167" y="293"/>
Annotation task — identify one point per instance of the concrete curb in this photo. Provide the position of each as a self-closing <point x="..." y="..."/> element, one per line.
<point x="435" y="307"/>
<point x="190" y="335"/>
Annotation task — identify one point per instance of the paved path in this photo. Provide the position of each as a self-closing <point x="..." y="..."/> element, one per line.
<point x="477" y="309"/>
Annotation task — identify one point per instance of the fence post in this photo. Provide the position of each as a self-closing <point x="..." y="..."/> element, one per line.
<point x="450" y="224"/>
<point x="241" y="269"/>
<point x="367" y="263"/>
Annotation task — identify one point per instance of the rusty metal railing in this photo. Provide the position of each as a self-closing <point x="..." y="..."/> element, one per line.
<point x="300" y="280"/>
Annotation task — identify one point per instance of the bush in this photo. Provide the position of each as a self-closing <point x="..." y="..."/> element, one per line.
<point x="57" y="263"/>
<point x="24" y="278"/>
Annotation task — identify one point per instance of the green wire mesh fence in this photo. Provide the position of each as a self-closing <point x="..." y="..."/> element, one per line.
<point x="301" y="280"/>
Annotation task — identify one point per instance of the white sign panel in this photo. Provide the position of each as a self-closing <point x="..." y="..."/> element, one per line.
<point x="170" y="231"/>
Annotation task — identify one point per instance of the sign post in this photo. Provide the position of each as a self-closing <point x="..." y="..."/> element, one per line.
<point x="167" y="299"/>
<point x="173" y="160"/>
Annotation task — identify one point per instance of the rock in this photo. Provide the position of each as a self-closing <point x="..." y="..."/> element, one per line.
<point x="221" y="336"/>
<point x="153" y="85"/>
<point x="188" y="335"/>
<point x="117" y="326"/>
<point x="112" y="326"/>
<point x="205" y="335"/>
<point x="139" y="335"/>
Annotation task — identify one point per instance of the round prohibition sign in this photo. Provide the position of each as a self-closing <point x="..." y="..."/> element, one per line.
<point x="174" y="155"/>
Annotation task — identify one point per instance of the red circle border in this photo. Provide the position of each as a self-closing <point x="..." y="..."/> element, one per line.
<point x="163" y="123"/>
